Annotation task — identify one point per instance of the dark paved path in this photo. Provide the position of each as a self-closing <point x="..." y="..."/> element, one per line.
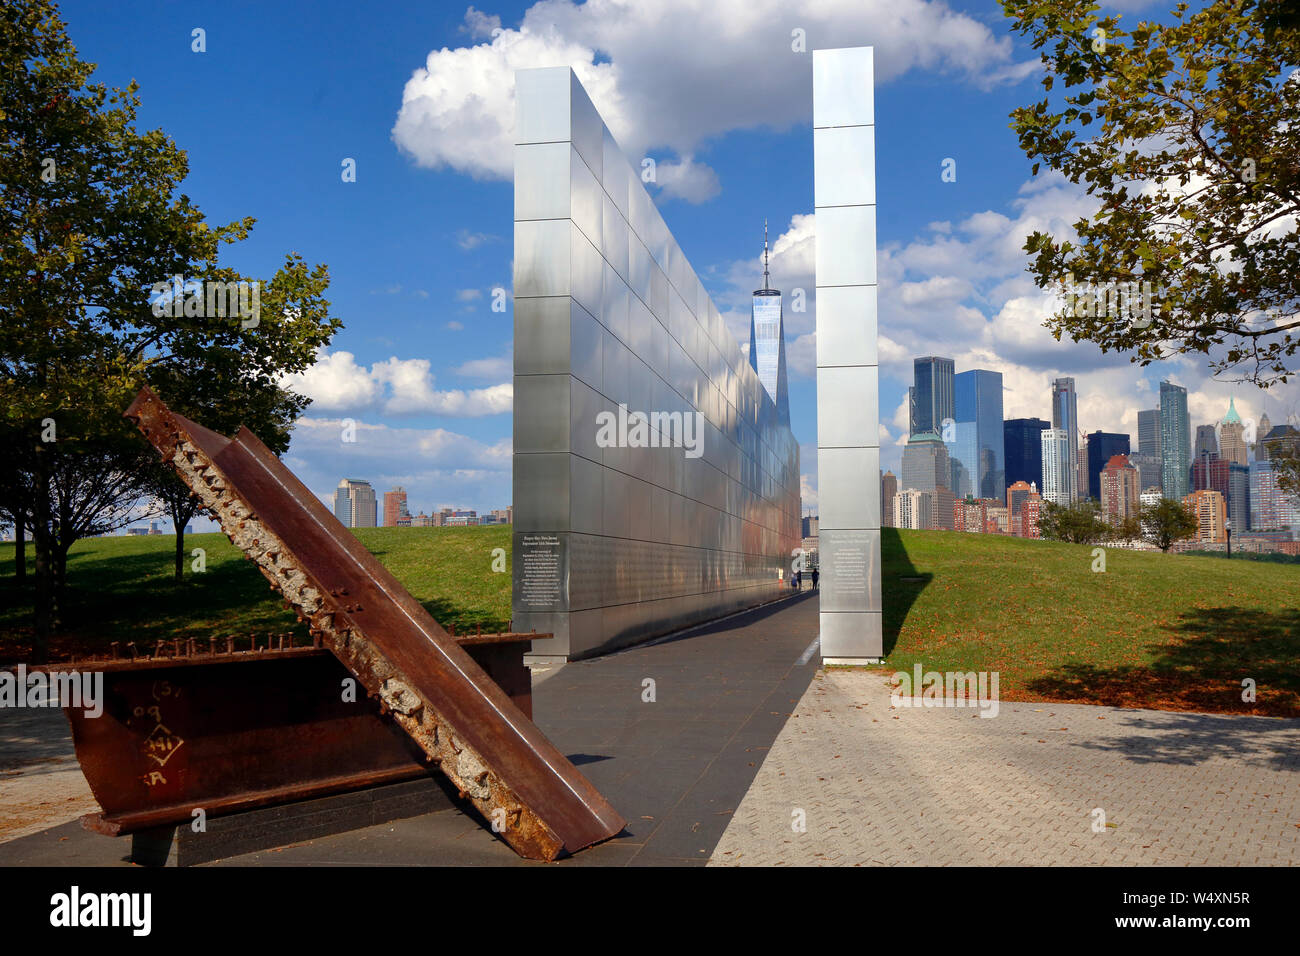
<point x="676" y="768"/>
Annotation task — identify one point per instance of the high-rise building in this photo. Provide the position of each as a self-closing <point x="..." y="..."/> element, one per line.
<point x="355" y="504"/>
<point x="1065" y="417"/>
<point x="971" y="515"/>
<point x="1102" y="447"/>
<point x="1056" y="486"/>
<point x="1239" y="496"/>
<point x="1272" y="508"/>
<point x="1081" y="478"/>
<point x="1229" y="479"/>
<point x="1149" y="468"/>
<point x="1207" y="442"/>
<point x="888" y="488"/>
<point x="1149" y="432"/>
<point x="1210" y="471"/>
<point x="1118" y="486"/>
<point x="979" y="441"/>
<point x="1265" y="426"/>
<point x="1025" y="524"/>
<point x="767" y="341"/>
<point x="395" y="513"/>
<point x="941" y="509"/>
<point x="925" y="463"/>
<point x="961" y="450"/>
<point x="1175" y="441"/>
<point x="1023" y="450"/>
<point x="913" y="509"/>
<point x="1018" y="494"/>
<point x="1282" y="441"/>
<point x="1023" y="509"/>
<point x="1211" y="513"/>
<point x="930" y="399"/>
<point x="1232" y="440"/>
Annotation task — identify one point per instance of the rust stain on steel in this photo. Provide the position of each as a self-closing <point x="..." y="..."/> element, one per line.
<point x="186" y="729"/>
<point x="228" y="732"/>
<point x="517" y="779"/>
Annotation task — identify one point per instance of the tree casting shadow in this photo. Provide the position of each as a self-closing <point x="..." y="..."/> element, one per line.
<point x="1212" y="651"/>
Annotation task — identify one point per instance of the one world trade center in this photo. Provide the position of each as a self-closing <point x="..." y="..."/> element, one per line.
<point x="767" y="342"/>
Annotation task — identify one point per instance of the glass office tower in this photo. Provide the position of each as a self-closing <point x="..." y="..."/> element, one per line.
<point x="1022" y="441"/>
<point x="979" y="463"/>
<point x="1149" y="432"/>
<point x="767" y="342"/>
<point x="930" y="398"/>
<point x="1065" y="416"/>
<point x="1175" y="442"/>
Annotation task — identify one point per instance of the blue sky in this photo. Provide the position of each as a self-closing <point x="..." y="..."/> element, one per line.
<point x="711" y="90"/>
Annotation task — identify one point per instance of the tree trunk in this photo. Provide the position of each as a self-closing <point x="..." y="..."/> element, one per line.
<point x="59" y="562"/>
<point x="183" y="506"/>
<point x="20" y="550"/>
<point x="43" y="601"/>
<point x="180" y="552"/>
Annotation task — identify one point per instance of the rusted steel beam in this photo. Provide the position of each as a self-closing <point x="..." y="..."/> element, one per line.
<point x="244" y="736"/>
<point x="517" y="779"/>
<point x="229" y="732"/>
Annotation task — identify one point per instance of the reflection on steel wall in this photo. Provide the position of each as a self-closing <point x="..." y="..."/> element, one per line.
<point x="619" y="352"/>
<point x="848" y="436"/>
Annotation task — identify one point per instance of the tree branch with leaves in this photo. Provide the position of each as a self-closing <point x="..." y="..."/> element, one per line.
<point x="1187" y="135"/>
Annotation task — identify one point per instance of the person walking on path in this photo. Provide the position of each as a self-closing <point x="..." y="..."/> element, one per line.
<point x="815" y="576"/>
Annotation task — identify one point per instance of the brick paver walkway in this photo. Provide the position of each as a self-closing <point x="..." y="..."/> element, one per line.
<point x="887" y="786"/>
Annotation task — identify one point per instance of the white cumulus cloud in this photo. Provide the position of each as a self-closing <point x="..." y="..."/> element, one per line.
<point x="336" y="383"/>
<point x="664" y="74"/>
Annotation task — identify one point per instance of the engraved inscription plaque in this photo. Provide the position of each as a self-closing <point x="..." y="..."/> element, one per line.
<point x="541" y="572"/>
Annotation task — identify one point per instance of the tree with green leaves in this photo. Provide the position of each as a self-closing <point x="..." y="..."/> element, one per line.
<point x="91" y="223"/>
<point x="1166" y="522"/>
<point x="203" y="368"/>
<point x="1079" y="523"/>
<point x="1186" y="134"/>
<point x="1125" y="530"/>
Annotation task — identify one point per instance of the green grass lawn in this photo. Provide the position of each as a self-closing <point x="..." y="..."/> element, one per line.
<point x="1154" y="630"/>
<point x="1169" y="631"/>
<point x="122" y="588"/>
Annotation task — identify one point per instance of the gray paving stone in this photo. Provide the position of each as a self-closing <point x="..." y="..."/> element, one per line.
<point x="941" y="786"/>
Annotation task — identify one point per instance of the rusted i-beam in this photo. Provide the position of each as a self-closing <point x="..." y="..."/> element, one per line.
<point x="224" y="730"/>
<point x="516" y="778"/>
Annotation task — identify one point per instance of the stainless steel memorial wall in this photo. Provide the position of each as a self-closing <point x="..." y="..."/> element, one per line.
<point x="848" y="422"/>
<point x="653" y="487"/>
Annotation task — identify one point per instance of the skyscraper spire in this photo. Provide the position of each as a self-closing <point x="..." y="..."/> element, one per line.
<point x="765" y="285"/>
<point x="767" y="340"/>
<point x="1232" y="418"/>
